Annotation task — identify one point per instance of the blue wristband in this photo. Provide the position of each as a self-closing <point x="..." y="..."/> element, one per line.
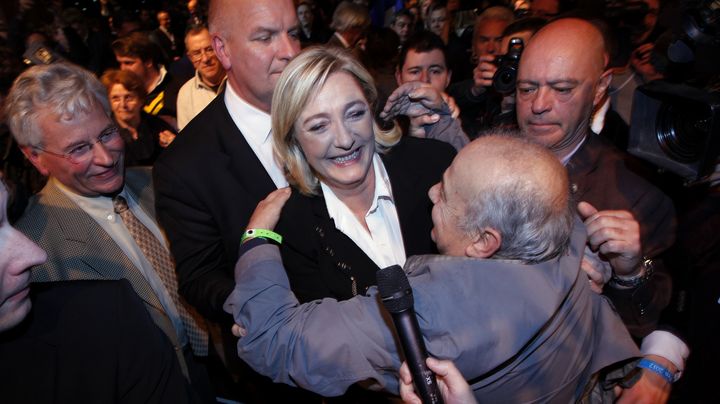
<point x="657" y="368"/>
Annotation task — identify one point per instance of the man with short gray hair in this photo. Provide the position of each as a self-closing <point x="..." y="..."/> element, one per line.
<point x="95" y="220"/>
<point x="508" y="301"/>
<point x="197" y="92"/>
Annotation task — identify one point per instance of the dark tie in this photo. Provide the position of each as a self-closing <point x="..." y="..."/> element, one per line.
<point x="162" y="262"/>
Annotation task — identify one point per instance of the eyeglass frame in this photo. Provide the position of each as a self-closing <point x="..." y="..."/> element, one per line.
<point x="198" y="54"/>
<point x="108" y="135"/>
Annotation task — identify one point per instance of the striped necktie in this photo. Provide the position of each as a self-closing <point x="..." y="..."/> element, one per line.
<point x="160" y="259"/>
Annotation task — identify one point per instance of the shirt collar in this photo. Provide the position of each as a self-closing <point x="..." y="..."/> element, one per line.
<point x="342" y="40"/>
<point x="199" y="83"/>
<point x="163" y="72"/>
<point x="383" y="190"/>
<point x="101" y="204"/>
<point x="254" y="124"/>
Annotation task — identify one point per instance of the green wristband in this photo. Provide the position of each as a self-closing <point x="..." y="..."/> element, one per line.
<point x="261" y="233"/>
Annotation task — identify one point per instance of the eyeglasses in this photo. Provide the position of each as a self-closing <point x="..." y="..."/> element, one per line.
<point x="198" y="54"/>
<point x="82" y="153"/>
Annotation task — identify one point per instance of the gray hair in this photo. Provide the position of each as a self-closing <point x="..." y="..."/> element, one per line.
<point x="348" y="16"/>
<point x="63" y="89"/>
<point x="534" y="224"/>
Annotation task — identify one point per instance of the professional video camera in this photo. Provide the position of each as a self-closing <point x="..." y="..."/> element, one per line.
<point x="507" y="67"/>
<point x="677" y="126"/>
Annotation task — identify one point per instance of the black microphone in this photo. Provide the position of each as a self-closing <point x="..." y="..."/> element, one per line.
<point x="397" y="297"/>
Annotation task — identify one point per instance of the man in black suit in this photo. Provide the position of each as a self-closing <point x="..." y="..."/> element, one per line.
<point x="222" y="165"/>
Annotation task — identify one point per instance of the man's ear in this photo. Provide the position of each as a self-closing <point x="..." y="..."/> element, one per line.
<point x="35" y="159"/>
<point x="602" y="87"/>
<point x="222" y="52"/>
<point x="485" y="244"/>
<point x="449" y="78"/>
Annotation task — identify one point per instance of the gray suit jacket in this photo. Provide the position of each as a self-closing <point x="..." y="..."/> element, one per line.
<point x="518" y="332"/>
<point x="79" y="249"/>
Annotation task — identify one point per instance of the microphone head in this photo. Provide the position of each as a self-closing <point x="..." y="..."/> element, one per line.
<point x="394" y="288"/>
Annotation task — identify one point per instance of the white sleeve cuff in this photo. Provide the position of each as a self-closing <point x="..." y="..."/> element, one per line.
<point x="667" y="345"/>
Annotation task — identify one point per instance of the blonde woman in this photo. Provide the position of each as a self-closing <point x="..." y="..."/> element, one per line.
<point x="359" y="200"/>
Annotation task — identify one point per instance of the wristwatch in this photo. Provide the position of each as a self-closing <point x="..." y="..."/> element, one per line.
<point x="647" y="269"/>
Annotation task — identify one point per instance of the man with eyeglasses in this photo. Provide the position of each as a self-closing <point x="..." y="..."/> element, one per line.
<point x="197" y="92"/>
<point x="95" y="220"/>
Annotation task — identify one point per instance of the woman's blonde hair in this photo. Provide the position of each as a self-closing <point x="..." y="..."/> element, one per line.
<point x="303" y="77"/>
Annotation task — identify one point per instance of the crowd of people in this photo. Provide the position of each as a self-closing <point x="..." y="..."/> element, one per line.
<point x="197" y="197"/>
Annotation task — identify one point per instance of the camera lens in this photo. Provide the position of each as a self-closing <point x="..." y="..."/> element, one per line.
<point x="504" y="80"/>
<point x="682" y="130"/>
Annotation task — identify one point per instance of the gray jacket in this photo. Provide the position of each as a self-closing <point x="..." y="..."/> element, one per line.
<point x="517" y="332"/>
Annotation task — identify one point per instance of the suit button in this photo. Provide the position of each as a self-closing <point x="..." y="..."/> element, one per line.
<point x="573" y="188"/>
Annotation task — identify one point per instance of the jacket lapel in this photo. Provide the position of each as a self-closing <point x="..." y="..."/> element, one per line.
<point x="93" y="246"/>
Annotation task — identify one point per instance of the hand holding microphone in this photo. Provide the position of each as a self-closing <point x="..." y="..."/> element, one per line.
<point x="396" y="295"/>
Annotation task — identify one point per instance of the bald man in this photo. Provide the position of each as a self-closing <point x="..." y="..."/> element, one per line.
<point x="209" y="183"/>
<point x="507" y="303"/>
<point x="562" y="76"/>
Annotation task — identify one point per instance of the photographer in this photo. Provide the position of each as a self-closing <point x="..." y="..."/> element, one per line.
<point x="480" y="104"/>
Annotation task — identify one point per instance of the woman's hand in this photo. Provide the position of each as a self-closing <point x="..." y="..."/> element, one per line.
<point x="267" y="212"/>
<point x="166" y="137"/>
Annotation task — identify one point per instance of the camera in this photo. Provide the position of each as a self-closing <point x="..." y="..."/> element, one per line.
<point x="676" y="127"/>
<point x="507" y="67"/>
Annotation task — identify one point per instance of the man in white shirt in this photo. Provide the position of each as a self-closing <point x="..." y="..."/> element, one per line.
<point x="208" y="184"/>
<point x="197" y="92"/>
<point x="61" y="118"/>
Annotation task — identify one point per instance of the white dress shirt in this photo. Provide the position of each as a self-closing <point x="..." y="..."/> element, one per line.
<point x="384" y="243"/>
<point x="101" y="209"/>
<point x="255" y="125"/>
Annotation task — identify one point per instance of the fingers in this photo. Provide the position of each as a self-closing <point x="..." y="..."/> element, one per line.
<point x="238" y="331"/>
<point x="586" y="210"/>
<point x="267" y="212"/>
<point x="407" y="391"/>
<point x="595" y="276"/>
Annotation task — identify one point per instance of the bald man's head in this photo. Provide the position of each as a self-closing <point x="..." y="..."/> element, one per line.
<point x="254" y="40"/>
<point x="561" y="77"/>
<point x="504" y="187"/>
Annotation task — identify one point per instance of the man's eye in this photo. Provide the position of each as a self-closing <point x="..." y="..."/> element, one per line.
<point x="294" y="34"/>
<point x="79" y="150"/>
<point x="563" y="90"/>
<point x="525" y="90"/>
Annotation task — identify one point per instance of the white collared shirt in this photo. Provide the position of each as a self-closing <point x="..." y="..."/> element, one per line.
<point x="384" y="243"/>
<point x="162" y="72"/>
<point x="101" y="209"/>
<point x="255" y="125"/>
<point x="192" y="98"/>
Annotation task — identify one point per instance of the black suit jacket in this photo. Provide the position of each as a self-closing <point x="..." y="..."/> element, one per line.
<point x="207" y="184"/>
<point x="610" y="179"/>
<point x="321" y="261"/>
<point x="88" y="342"/>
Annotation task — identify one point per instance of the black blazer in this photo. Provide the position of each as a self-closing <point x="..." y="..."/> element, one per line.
<point x="321" y="261"/>
<point x="88" y="342"/>
<point x="207" y="184"/>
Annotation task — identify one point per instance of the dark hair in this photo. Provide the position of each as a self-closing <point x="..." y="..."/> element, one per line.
<point x="423" y="41"/>
<point x="138" y="45"/>
<point x="403" y="12"/>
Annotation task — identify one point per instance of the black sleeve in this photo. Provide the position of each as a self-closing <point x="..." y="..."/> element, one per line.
<point x="204" y="275"/>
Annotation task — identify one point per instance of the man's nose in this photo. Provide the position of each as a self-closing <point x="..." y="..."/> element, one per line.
<point x="288" y="47"/>
<point x="101" y="155"/>
<point x="541" y="102"/>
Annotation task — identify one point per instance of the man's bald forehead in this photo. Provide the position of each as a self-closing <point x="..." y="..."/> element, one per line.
<point x="575" y="34"/>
